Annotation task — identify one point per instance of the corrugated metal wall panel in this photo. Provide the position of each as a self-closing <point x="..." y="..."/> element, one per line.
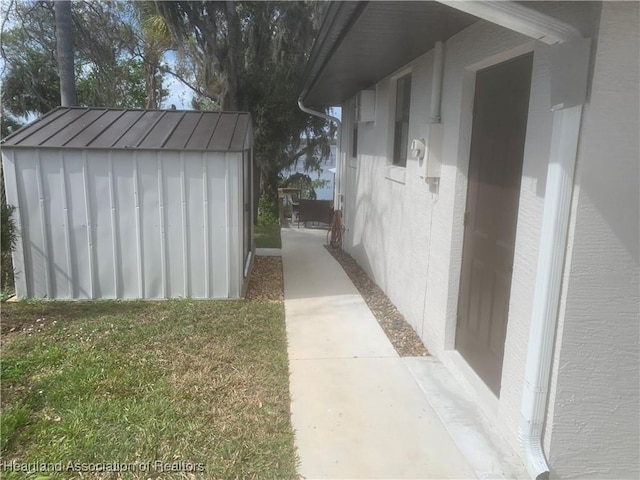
<point x="82" y="261"/>
<point x="102" y="252"/>
<point x="126" y="244"/>
<point x="14" y="191"/>
<point x="59" y="255"/>
<point x="35" y="260"/>
<point x="118" y="224"/>
<point x="196" y="242"/>
<point x="148" y="224"/>
<point x="234" y="249"/>
<point x="173" y="222"/>
<point x="219" y="261"/>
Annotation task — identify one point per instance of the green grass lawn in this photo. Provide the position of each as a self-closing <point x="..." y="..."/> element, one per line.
<point x="204" y="382"/>
<point x="267" y="236"/>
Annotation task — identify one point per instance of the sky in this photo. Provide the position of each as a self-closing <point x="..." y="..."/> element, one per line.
<point x="179" y="94"/>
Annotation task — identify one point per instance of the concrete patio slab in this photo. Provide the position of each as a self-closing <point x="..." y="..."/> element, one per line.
<point x="356" y="408"/>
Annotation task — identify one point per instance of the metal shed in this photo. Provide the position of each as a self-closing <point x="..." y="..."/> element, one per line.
<point x="131" y="203"/>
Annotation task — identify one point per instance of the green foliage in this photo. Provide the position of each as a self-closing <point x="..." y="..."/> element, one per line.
<point x="268" y="236"/>
<point x="126" y="82"/>
<point x="267" y="210"/>
<point x="8" y="234"/>
<point x="110" y="69"/>
<point x="304" y="183"/>
<point x="8" y="124"/>
<point x="9" y="237"/>
<point x="251" y="56"/>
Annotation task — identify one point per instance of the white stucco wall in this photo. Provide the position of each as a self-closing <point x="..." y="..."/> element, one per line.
<point x="408" y="235"/>
<point x="594" y="415"/>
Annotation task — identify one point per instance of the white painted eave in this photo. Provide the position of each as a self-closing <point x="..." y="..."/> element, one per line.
<point x="518" y="18"/>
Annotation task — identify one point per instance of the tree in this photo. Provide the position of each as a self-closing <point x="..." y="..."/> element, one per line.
<point x="64" y="48"/>
<point x="108" y="72"/>
<point x="250" y="56"/>
<point x="153" y="40"/>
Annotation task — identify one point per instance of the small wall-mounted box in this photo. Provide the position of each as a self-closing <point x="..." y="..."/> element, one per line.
<point x="366" y="106"/>
<point x="428" y="151"/>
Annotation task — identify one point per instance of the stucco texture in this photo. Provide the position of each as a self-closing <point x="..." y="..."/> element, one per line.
<point x="408" y="235"/>
<point x="595" y="410"/>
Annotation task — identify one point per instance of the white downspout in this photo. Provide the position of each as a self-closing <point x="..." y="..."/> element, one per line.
<point x="569" y="72"/>
<point x="544" y="315"/>
<point x="338" y="198"/>
<point x="436" y="89"/>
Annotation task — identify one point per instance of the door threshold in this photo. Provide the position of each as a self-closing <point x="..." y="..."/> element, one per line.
<point x="488" y="453"/>
<point x="488" y="402"/>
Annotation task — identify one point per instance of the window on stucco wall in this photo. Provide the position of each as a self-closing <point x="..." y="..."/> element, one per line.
<point x="401" y="120"/>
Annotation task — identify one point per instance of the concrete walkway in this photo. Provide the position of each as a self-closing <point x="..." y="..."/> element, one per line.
<point x="356" y="408"/>
<point x="359" y="410"/>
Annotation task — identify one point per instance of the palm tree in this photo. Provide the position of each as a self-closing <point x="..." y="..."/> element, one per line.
<point x="154" y="39"/>
<point x="64" y="48"/>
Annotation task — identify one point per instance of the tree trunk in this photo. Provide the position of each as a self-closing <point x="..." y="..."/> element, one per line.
<point x="64" y="47"/>
<point x="150" y="70"/>
<point x="235" y="47"/>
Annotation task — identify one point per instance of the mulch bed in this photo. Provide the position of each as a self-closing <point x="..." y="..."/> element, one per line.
<point x="401" y="335"/>
<point x="266" y="280"/>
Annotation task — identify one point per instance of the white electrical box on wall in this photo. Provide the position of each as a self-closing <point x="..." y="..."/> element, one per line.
<point x="366" y="106"/>
<point x="429" y="152"/>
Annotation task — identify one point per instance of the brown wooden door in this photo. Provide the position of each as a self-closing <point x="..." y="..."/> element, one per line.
<point x="495" y="167"/>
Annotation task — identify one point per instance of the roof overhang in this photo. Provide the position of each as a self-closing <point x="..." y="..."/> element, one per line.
<point x="359" y="43"/>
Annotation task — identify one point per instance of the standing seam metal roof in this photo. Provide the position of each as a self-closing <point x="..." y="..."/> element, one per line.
<point x="108" y="128"/>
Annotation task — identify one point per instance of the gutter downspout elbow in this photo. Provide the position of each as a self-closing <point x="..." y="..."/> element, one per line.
<point x="330" y="118"/>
